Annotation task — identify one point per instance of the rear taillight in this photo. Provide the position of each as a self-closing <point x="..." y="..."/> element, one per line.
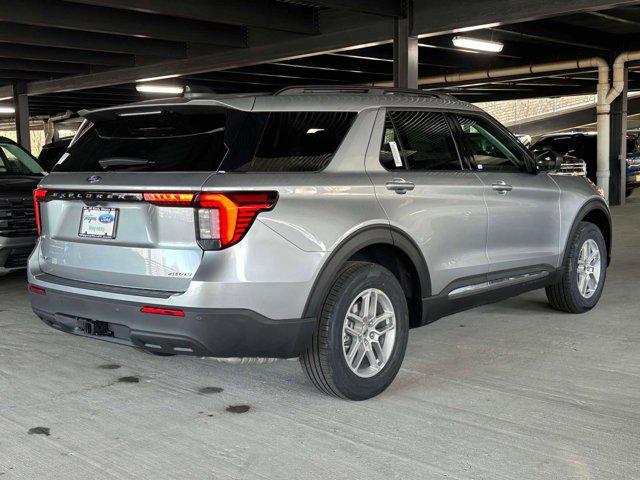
<point x="38" y="197"/>
<point x="170" y="199"/>
<point x="224" y="218"/>
<point x="171" y="312"/>
<point x="38" y="290"/>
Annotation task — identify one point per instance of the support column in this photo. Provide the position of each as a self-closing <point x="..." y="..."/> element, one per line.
<point x="21" y="104"/>
<point x="405" y="52"/>
<point x="618" y="149"/>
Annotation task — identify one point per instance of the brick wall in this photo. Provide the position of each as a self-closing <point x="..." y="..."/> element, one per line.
<point x="512" y="112"/>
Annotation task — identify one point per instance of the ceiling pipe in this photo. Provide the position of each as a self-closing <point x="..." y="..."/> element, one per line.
<point x="606" y="93"/>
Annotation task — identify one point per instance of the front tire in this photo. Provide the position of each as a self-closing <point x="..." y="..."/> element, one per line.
<point x="362" y="334"/>
<point x="584" y="274"/>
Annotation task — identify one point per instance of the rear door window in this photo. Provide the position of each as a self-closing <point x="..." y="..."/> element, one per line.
<point x="423" y="140"/>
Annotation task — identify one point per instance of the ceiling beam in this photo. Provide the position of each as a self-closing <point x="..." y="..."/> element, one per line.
<point x="41" y="66"/>
<point x="29" y="52"/>
<point x="561" y="33"/>
<point x="433" y="18"/>
<point x="57" y="37"/>
<point x="289" y="74"/>
<point x="619" y="16"/>
<point x="386" y="8"/>
<point x="264" y="14"/>
<point x="19" y="75"/>
<point x="59" y="14"/>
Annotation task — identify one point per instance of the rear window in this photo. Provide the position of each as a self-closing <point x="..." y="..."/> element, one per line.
<point x="218" y="139"/>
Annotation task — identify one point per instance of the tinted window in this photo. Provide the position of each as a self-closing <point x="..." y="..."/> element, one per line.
<point x="223" y="139"/>
<point x="423" y="139"/>
<point x="15" y="161"/>
<point x="158" y="141"/>
<point x="289" y="141"/>
<point x="491" y="147"/>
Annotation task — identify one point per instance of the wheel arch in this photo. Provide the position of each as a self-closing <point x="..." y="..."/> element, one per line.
<point x="386" y="246"/>
<point x="596" y="212"/>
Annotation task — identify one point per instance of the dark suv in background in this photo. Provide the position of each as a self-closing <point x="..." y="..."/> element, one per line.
<point x="19" y="175"/>
<point x="583" y="146"/>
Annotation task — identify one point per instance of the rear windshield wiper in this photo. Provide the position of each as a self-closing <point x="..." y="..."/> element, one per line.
<point x="107" y="163"/>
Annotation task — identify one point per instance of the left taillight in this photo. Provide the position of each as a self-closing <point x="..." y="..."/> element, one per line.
<point x="38" y="197"/>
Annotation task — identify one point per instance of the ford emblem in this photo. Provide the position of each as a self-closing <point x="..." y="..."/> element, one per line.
<point x="106" y="218"/>
<point x="94" y="179"/>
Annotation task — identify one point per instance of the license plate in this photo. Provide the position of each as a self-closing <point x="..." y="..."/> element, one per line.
<point x="98" y="222"/>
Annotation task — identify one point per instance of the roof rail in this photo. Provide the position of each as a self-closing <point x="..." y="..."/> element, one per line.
<point x="195" y="91"/>
<point x="302" y="89"/>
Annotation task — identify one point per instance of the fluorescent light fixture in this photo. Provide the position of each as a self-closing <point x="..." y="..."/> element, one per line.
<point x="6" y="109"/>
<point x="168" y="89"/>
<point x="163" y="77"/>
<point x="137" y="114"/>
<point x="5" y="98"/>
<point x="477" y="44"/>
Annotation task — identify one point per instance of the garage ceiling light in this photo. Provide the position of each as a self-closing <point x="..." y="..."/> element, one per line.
<point x="6" y="109"/>
<point x="167" y="89"/>
<point x="477" y="44"/>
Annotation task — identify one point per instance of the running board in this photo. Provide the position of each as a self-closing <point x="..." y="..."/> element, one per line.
<point x="497" y="283"/>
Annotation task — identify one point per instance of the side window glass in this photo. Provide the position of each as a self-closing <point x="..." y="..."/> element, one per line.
<point x="423" y="140"/>
<point x="492" y="149"/>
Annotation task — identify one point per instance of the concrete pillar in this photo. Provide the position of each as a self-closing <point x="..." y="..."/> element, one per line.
<point x="405" y="52"/>
<point x="50" y="131"/>
<point x="618" y="148"/>
<point x="21" y="104"/>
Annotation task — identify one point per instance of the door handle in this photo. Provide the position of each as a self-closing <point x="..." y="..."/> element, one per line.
<point x="502" y="187"/>
<point x="400" y="185"/>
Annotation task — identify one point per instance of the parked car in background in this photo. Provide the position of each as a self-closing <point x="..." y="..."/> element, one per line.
<point x="51" y="153"/>
<point x="319" y="223"/>
<point x="583" y="146"/>
<point x="19" y="175"/>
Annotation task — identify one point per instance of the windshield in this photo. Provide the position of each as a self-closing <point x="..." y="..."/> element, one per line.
<point x="208" y="139"/>
<point x="15" y="161"/>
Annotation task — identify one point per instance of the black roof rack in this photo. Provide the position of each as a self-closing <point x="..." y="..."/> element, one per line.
<point x="302" y="89"/>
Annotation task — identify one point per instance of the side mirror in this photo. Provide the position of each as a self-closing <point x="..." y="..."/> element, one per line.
<point x="548" y="160"/>
<point x="559" y="162"/>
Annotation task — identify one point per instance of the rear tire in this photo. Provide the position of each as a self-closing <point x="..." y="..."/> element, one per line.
<point x="584" y="274"/>
<point x="361" y="338"/>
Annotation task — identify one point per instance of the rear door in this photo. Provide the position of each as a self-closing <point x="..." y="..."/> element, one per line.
<point x="97" y="226"/>
<point x="421" y="184"/>
<point x="523" y="205"/>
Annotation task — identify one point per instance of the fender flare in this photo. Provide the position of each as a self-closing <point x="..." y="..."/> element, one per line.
<point x="588" y="207"/>
<point x="364" y="237"/>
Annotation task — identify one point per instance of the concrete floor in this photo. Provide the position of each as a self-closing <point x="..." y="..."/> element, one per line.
<point x="513" y="390"/>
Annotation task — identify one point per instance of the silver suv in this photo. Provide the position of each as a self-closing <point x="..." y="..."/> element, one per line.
<point x="313" y="223"/>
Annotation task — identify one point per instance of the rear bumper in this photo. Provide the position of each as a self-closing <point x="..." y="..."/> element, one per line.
<point x="201" y="332"/>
